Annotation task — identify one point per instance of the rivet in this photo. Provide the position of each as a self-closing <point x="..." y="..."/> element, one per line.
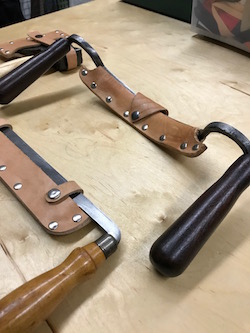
<point x="126" y="113"/>
<point x="7" y="52"/>
<point x="93" y="85"/>
<point x="108" y="99"/>
<point x="28" y="38"/>
<point x="18" y="186"/>
<point x="196" y="147"/>
<point x="145" y="127"/>
<point x="53" y="225"/>
<point x="2" y="167"/>
<point x="84" y="72"/>
<point x="54" y="194"/>
<point x="162" y="137"/>
<point x="57" y="31"/>
<point x="62" y="35"/>
<point x="183" y="145"/>
<point x="39" y="36"/>
<point x="135" y="115"/>
<point x="1" y="49"/>
<point x="77" y="218"/>
<point x="11" y="42"/>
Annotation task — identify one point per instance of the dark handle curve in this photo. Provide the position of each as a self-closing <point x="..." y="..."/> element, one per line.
<point x="16" y="81"/>
<point x="173" y="251"/>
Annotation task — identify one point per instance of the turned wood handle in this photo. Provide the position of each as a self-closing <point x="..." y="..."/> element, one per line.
<point x="16" y="81"/>
<point x="27" y="306"/>
<point x="176" y="247"/>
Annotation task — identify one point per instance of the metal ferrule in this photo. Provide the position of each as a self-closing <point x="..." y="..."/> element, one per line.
<point x="107" y="244"/>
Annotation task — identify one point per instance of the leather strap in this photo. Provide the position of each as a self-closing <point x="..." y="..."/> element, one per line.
<point x="10" y="49"/>
<point x="146" y="116"/>
<point x="31" y="186"/>
<point x="64" y="190"/>
<point x="4" y="124"/>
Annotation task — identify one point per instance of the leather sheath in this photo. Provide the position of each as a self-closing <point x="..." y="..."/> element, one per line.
<point x="31" y="186"/>
<point x="10" y="49"/>
<point x="146" y="116"/>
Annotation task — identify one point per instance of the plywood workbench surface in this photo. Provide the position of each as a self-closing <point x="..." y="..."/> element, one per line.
<point x="142" y="188"/>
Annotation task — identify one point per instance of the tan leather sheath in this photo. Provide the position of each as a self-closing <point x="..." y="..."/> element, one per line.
<point x="9" y="50"/>
<point x="146" y="116"/>
<point x="31" y="186"/>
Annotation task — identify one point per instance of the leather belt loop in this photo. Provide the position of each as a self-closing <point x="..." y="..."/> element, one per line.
<point x="71" y="59"/>
<point x="63" y="191"/>
<point x="146" y="116"/>
<point x="143" y="107"/>
<point x="47" y="38"/>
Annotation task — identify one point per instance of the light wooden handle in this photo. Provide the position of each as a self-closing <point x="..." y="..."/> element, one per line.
<point x="8" y="66"/>
<point x="27" y="306"/>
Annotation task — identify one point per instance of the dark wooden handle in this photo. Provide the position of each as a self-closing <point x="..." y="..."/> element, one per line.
<point x="27" y="306"/>
<point x="16" y="81"/>
<point x="176" y="247"/>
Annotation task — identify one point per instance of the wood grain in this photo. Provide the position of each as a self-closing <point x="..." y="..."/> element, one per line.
<point x="142" y="188"/>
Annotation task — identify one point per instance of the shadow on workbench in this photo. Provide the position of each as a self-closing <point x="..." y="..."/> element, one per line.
<point x="220" y="247"/>
<point x="19" y="107"/>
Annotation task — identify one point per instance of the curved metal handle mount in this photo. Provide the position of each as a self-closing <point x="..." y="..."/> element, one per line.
<point x="227" y="130"/>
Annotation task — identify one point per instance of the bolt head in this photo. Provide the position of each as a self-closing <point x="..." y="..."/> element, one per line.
<point x="162" y="137"/>
<point x="77" y="218"/>
<point x="196" y="147"/>
<point x="135" y="115"/>
<point x="54" y="194"/>
<point x="53" y="225"/>
<point x="108" y="99"/>
<point x="183" y="145"/>
<point x="18" y="186"/>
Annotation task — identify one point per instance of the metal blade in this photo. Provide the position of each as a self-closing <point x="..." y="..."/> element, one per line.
<point x="85" y="204"/>
<point x="98" y="216"/>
